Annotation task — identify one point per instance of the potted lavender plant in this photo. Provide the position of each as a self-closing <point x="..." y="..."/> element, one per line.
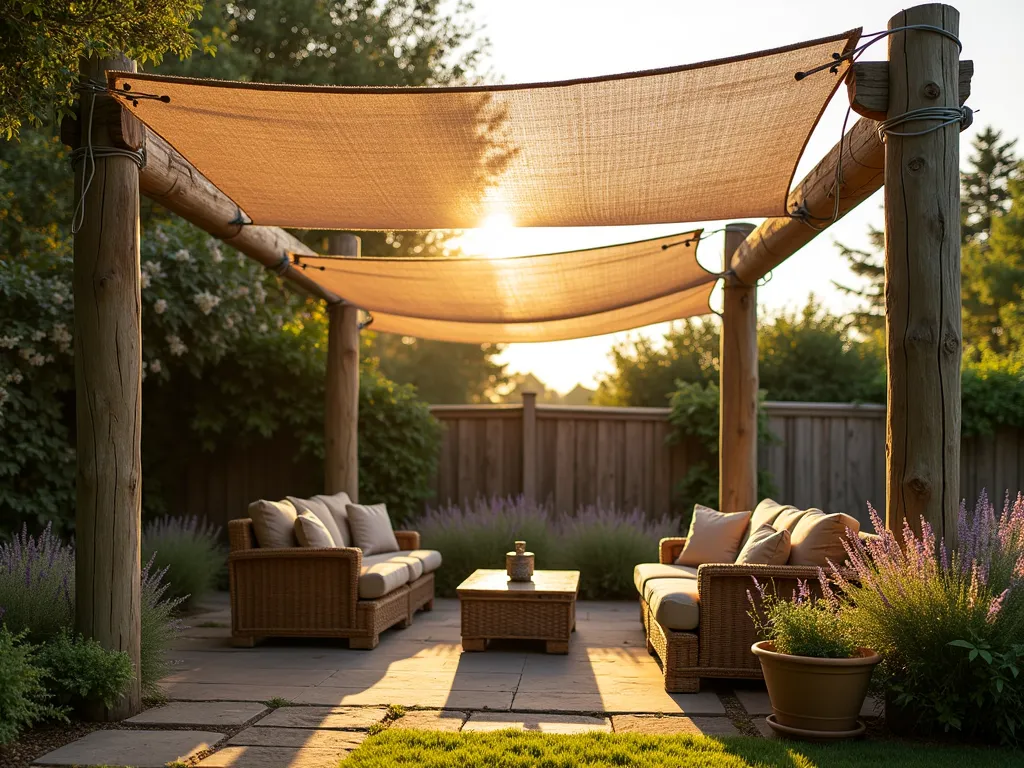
<point x="817" y="675"/>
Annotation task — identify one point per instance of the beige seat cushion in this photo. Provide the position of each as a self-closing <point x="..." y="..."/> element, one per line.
<point x="382" y="574"/>
<point x="818" y="538"/>
<point x="320" y="509"/>
<point x="766" y="546"/>
<point x="765" y="512"/>
<point x="371" y="528"/>
<point x="714" y="536"/>
<point x="337" y="504"/>
<point x="311" y="531"/>
<point x="273" y="522"/>
<point x="430" y="558"/>
<point x="675" y="603"/>
<point x="647" y="571"/>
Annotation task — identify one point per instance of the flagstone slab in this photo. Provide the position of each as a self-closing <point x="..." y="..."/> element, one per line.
<point x="213" y="714"/>
<point x="137" y="748"/>
<point x="666" y="726"/>
<point x="336" y="718"/>
<point x="756" y="702"/>
<point x="228" y="692"/>
<point x="249" y="674"/>
<point x="457" y="680"/>
<point x="546" y="723"/>
<point x="644" y="700"/>
<point x="273" y="757"/>
<point x="429" y="699"/>
<point x="261" y="736"/>
<point x="431" y="720"/>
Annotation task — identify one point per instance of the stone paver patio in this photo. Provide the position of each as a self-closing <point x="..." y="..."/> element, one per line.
<point x="306" y="704"/>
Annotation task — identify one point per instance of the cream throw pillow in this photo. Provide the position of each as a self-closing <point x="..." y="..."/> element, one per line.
<point x="337" y="504"/>
<point x="765" y="512"/>
<point x="714" y="536"/>
<point x="311" y="531"/>
<point x="790" y="517"/>
<point x="819" y="537"/>
<point x="766" y="546"/>
<point x="274" y="523"/>
<point x="322" y="512"/>
<point x="371" y="528"/>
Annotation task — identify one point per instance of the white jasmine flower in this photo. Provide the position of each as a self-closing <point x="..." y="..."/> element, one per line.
<point x="243" y="290"/>
<point x="37" y="360"/>
<point x="264" y="327"/>
<point x="59" y="333"/>
<point x="38" y="335"/>
<point x="206" y="301"/>
<point x="9" y="342"/>
<point x="14" y="378"/>
<point x="155" y="366"/>
<point x="26" y="352"/>
<point x="229" y="322"/>
<point x="215" y="253"/>
<point x="160" y="306"/>
<point x="182" y="255"/>
<point x="58" y="298"/>
<point x="144" y="279"/>
<point x="176" y="346"/>
<point x="161" y="236"/>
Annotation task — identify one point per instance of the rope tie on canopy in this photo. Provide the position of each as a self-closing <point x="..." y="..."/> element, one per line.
<point x="963" y="116"/>
<point x="874" y="37"/>
<point x="90" y="153"/>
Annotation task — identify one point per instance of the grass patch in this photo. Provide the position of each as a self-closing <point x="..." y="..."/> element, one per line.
<point x="516" y="749"/>
<point x="276" y="702"/>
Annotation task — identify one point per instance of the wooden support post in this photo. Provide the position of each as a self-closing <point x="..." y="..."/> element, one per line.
<point x="341" y="414"/>
<point x="737" y="421"/>
<point x="530" y="446"/>
<point x="108" y="395"/>
<point x="922" y="278"/>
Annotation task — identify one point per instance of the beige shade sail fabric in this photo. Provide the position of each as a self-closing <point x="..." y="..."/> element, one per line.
<point x="545" y="297"/>
<point x="701" y="142"/>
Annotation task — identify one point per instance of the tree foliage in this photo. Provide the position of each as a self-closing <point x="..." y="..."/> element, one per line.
<point x="985" y="192"/>
<point x="43" y="41"/>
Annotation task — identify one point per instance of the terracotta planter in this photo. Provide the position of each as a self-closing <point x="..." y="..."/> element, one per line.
<point x="816" y="696"/>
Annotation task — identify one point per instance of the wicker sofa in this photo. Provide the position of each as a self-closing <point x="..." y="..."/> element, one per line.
<point x="314" y="592"/>
<point x="696" y="619"/>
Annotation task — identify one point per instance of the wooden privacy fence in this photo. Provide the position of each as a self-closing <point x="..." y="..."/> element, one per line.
<point x="827" y="455"/>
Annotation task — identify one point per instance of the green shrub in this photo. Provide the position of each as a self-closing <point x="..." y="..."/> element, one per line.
<point x="602" y="544"/>
<point x="695" y="416"/>
<point x="189" y="550"/>
<point x="80" y="671"/>
<point x="24" y="699"/>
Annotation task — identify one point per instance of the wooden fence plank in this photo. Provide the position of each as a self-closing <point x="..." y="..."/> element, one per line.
<point x="565" y="465"/>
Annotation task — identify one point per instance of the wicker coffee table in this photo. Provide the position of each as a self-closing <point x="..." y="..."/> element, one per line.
<point x="494" y="608"/>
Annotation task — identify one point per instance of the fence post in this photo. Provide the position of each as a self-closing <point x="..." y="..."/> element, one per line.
<point x="530" y="446"/>
<point x="922" y="275"/>
<point x="108" y="386"/>
<point x="341" y="412"/>
<point x="737" y="420"/>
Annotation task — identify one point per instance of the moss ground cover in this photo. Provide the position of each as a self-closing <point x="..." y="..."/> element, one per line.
<point x="516" y="749"/>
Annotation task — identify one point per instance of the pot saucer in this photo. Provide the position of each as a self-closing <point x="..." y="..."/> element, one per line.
<point x="803" y="733"/>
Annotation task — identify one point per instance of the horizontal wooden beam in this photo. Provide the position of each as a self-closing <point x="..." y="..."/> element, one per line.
<point x="867" y="85"/>
<point x="170" y="180"/>
<point x="776" y="239"/>
<point x="863" y="154"/>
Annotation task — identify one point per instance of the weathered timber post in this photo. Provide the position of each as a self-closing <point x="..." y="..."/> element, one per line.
<point x="530" y="446"/>
<point x="341" y="414"/>
<point x="922" y="277"/>
<point x="108" y="388"/>
<point x="737" y="420"/>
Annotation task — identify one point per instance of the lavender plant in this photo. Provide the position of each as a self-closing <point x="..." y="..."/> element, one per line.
<point x="187" y="549"/>
<point x="37" y="597"/>
<point x="604" y="544"/>
<point x="803" y="625"/>
<point x="37" y="584"/>
<point x="947" y="620"/>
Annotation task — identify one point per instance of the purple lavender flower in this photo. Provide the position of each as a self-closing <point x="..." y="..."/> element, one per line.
<point x="995" y="606"/>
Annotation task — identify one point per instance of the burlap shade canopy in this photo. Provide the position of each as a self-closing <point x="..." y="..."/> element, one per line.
<point x="701" y="142"/>
<point x="545" y="297"/>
